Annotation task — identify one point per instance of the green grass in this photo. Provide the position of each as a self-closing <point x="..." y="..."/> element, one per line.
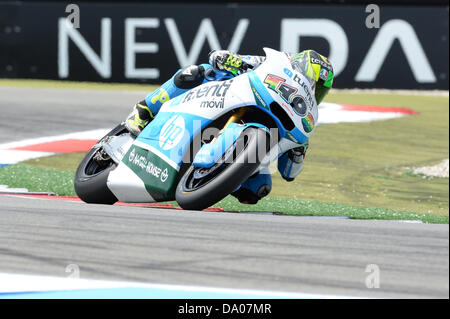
<point x="358" y="165"/>
<point x="62" y="162"/>
<point x="292" y="206"/>
<point x="40" y="178"/>
<point x="363" y="164"/>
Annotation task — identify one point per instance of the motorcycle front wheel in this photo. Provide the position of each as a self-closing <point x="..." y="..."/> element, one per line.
<point x="92" y="174"/>
<point x="200" y="188"/>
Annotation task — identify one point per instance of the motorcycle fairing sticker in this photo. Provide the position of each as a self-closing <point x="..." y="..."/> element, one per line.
<point x="172" y="133"/>
<point x="159" y="150"/>
<point x="158" y="176"/>
<point x="206" y="94"/>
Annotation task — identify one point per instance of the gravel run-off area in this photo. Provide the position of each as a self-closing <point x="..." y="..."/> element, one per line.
<point x="439" y="170"/>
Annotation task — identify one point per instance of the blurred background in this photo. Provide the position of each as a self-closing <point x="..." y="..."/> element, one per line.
<point x="394" y="44"/>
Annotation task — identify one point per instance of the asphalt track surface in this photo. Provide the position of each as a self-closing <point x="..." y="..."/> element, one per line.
<point x="318" y="255"/>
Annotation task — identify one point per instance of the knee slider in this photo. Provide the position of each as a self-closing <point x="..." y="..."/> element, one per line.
<point x="254" y="188"/>
<point x="263" y="191"/>
<point x="247" y="196"/>
<point x="189" y="77"/>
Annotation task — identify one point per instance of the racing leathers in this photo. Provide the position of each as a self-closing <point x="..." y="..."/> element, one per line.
<point x="257" y="186"/>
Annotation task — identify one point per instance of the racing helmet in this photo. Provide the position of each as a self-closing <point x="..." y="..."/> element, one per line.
<point x="317" y="69"/>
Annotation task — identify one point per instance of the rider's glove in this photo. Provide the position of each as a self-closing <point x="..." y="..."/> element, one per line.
<point x="290" y="164"/>
<point x="226" y="61"/>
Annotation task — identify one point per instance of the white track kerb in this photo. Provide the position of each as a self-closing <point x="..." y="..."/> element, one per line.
<point x="14" y="286"/>
<point x="19" y="151"/>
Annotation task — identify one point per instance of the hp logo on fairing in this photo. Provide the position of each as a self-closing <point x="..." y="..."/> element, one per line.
<point x="172" y="132"/>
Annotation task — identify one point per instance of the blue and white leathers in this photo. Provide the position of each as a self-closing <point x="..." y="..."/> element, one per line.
<point x="170" y="90"/>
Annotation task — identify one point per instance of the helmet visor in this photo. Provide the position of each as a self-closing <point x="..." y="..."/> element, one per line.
<point x="300" y="63"/>
<point x="321" y="92"/>
<point x="317" y="69"/>
<point x="324" y="84"/>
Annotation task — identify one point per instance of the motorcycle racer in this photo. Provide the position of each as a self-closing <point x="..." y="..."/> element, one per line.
<point x="314" y="66"/>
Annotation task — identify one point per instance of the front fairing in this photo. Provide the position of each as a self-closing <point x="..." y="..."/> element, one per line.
<point x="283" y="84"/>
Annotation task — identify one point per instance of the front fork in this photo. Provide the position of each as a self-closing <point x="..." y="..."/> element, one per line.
<point x="234" y="118"/>
<point x="210" y="153"/>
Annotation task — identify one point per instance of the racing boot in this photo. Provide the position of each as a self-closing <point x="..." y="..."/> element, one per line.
<point x="138" y="118"/>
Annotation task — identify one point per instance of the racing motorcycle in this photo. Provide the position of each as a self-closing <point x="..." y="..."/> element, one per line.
<point x="203" y="144"/>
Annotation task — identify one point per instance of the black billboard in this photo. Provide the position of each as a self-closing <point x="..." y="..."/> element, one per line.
<point x="117" y="42"/>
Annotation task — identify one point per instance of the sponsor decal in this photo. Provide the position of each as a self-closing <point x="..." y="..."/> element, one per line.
<point x="278" y="85"/>
<point x="172" y="132"/>
<point x="306" y="87"/>
<point x="289" y="93"/>
<point x="164" y="175"/>
<point x="288" y="72"/>
<point x="273" y="81"/>
<point x="218" y="104"/>
<point x="132" y="154"/>
<point x="308" y="123"/>
<point x="291" y="137"/>
<point x="321" y="62"/>
<point x="216" y="89"/>
<point x="158" y="176"/>
<point x="141" y="161"/>
<point x="161" y="96"/>
<point x="258" y="98"/>
<point x="299" y="105"/>
<point x="323" y="74"/>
